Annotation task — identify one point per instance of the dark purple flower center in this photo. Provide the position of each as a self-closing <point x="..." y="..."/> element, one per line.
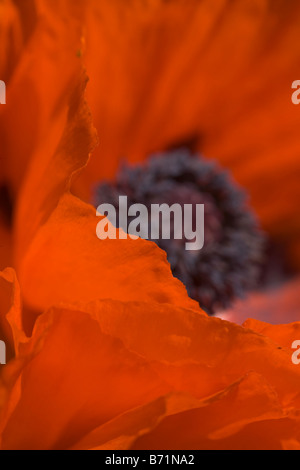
<point x="230" y="262"/>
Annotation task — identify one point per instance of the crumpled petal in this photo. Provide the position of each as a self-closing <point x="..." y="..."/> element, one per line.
<point x="178" y="421"/>
<point x="74" y="377"/>
<point x="78" y="267"/>
<point x="138" y="375"/>
<point x="182" y="345"/>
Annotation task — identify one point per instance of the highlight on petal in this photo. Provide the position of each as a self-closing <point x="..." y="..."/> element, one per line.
<point x="278" y="305"/>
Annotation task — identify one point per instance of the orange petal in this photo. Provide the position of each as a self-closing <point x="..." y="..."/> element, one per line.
<point x="11" y="44"/>
<point x="10" y="310"/>
<point x="52" y="166"/>
<point x="215" y="70"/>
<point x="121" y="432"/>
<point x="6" y="258"/>
<point x="196" y="353"/>
<point x="74" y="378"/>
<point x="56" y="227"/>
<point x="219" y="419"/>
<point x="78" y="267"/>
<point x="28" y="13"/>
<point x="38" y="91"/>
<point x="228" y="378"/>
<point x="10" y="38"/>
<point x="283" y="335"/>
<point x="176" y="421"/>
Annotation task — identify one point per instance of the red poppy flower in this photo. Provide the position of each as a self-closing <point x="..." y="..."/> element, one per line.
<point x="105" y="349"/>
